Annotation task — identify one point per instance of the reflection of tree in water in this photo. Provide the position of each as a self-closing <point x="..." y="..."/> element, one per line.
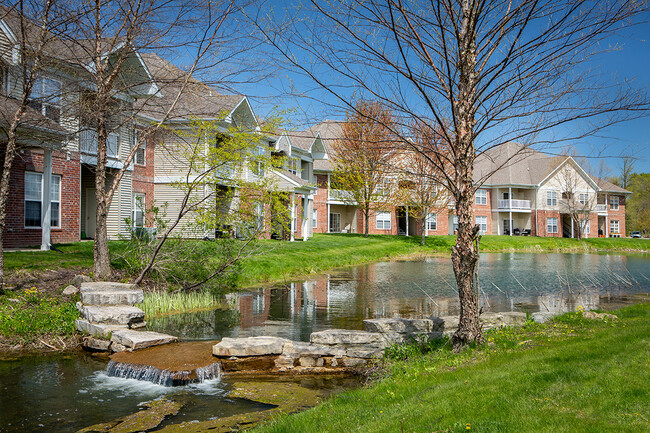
<point x="199" y="325"/>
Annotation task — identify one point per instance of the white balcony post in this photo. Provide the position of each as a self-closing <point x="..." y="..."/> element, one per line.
<point x="328" y="214"/>
<point x="510" y="224"/>
<point x="305" y="217"/>
<point x="407" y="220"/>
<point x="293" y="216"/>
<point x="47" y="200"/>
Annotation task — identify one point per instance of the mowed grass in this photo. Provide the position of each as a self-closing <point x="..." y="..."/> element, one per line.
<point x="572" y="375"/>
<point x="277" y="260"/>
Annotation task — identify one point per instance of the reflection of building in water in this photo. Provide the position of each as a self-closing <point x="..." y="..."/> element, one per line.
<point x="563" y="303"/>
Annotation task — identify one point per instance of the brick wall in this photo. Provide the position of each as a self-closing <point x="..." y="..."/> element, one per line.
<point x="63" y="164"/>
<point x="143" y="178"/>
<point x="618" y="215"/>
<point x="320" y="204"/>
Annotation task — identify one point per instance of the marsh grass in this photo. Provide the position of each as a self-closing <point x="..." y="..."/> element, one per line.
<point x="570" y="375"/>
<point x="159" y="303"/>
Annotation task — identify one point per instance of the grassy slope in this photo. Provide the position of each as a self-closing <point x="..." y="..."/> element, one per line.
<point x="571" y="376"/>
<point x="279" y="260"/>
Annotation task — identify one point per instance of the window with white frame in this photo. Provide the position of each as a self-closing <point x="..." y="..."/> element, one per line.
<point x="383" y="220"/>
<point x="455" y="221"/>
<point x="613" y="226"/>
<point x="258" y="162"/>
<point x="551" y="198"/>
<point x="259" y="214"/>
<point x="140" y="154"/>
<point x="583" y="198"/>
<point x="294" y="220"/>
<point x="138" y="209"/>
<point x="585" y="227"/>
<point x="613" y="202"/>
<point x="293" y="166"/>
<point x="46" y="97"/>
<point x="314" y="219"/>
<point x="34" y="200"/>
<point x="432" y="221"/>
<point x="481" y="196"/>
<point x="481" y="221"/>
<point x="551" y="225"/>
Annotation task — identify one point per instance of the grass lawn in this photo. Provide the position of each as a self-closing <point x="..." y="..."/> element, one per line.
<point x="277" y="260"/>
<point x="572" y="375"/>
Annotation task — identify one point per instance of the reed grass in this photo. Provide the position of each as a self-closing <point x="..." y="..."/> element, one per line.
<point x="160" y="303"/>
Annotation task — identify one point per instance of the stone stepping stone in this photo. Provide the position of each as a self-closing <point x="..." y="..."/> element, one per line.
<point x="98" y="329"/>
<point x="251" y="346"/>
<point x="112" y="315"/>
<point x="348" y="337"/>
<point x="140" y="339"/>
<point x="109" y="293"/>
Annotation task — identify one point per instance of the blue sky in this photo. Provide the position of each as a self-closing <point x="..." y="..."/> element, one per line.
<point x="630" y="61"/>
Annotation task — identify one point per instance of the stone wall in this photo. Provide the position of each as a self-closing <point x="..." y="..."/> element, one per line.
<point x="338" y="350"/>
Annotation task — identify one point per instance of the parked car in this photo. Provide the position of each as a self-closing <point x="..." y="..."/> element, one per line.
<point x="635" y="234"/>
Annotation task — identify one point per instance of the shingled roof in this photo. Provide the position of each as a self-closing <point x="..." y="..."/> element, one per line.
<point x="197" y="99"/>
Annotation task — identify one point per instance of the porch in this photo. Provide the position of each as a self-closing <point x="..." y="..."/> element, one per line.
<point x="342" y="218"/>
<point x="520" y="224"/>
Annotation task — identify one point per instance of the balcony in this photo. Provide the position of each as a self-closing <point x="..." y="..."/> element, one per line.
<point x="88" y="143"/>
<point x="512" y="204"/>
<point x="601" y="208"/>
<point x="341" y="195"/>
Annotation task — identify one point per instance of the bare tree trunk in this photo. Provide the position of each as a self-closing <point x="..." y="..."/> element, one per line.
<point x="101" y="254"/>
<point x="366" y="216"/>
<point x="424" y="229"/>
<point x="10" y="154"/>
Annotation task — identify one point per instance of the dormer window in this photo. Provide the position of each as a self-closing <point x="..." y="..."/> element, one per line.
<point x="293" y="166"/>
<point x="46" y="97"/>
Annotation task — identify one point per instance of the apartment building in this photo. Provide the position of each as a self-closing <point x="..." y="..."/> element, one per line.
<point x="523" y="192"/>
<point x="52" y="189"/>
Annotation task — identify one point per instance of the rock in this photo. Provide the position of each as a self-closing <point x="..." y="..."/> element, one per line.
<point x="353" y="362"/>
<point x="141" y="339"/>
<point x="97" y="329"/>
<point x="299" y="348"/>
<point x="70" y="290"/>
<point x="108" y="293"/>
<point x="284" y="362"/>
<point x="144" y="420"/>
<point x="307" y="361"/>
<point x="348" y="337"/>
<point x="113" y="315"/>
<point x="96" y="344"/>
<point x="399" y="326"/>
<point x="449" y="323"/>
<point x="364" y="353"/>
<point x="495" y="320"/>
<point x="117" y="347"/>
<point x="251" y="346"/>
<point x="78" y="279"/>
<point x="598" y="316"/>
<point x="543" y="317"/>
<point x="249" y="363"/>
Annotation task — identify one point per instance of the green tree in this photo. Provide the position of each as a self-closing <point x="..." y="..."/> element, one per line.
<point x="637" y="209"/>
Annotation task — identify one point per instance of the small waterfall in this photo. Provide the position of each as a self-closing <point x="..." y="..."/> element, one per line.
<point x="155" y="375"/>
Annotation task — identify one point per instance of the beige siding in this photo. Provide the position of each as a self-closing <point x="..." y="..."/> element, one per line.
<point x="172" y="196"/>
<point x="5" y="48"/>
<point x="170" y="156"/>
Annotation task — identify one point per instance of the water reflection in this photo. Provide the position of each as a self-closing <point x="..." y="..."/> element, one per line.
<point x="342" y="299"/>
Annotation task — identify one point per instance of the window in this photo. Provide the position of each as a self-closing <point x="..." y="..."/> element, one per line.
<point x="583" y="198"/>
<point x="481" y="196"/>
<point x="46" y="97"/>
<point x="613" y="226"/>
<point x="34" y="200"/>
<point x="259" y="213"/>
<point x="138" y="209"/>
<point x="481" y="221"/>
<point x="293" y="166"/>
<point x="335" y="222"/>
<point x="585" y="227"/>
<point x="455" y="221"/>
<point x="258" y="162"/>
<point x="140" y="154"/>
<point x="294" y="220"/>
<point x="506" y="195"/>
<point x="613" y="202"/>
<point x="314" y="219"/>
<point x="432" y="221"/>
<point x="551" y="198"/>
<point x="383" y="220"/>
<point x="551" y="225"/>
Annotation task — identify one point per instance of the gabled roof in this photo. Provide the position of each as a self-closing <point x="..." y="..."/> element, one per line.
<point x="324" y="132"/>
<point x="607" y="186"/>
<point x="32" y="119"/>
<point x="198" y="100"/>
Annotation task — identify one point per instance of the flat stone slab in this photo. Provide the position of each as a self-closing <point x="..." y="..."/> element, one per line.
<point x="109" y="293"/>
<point x="112" y="315"/>
<point x="543" y="317"/>
<point x="400" y="326"/>
<point x="250" y="346"/>
<point x="296" y="349"/>
<point x="141" y="339"/>
<point x="347" y="337"/>
<point x="495" y="320"/>
<point x="97" y="329"/>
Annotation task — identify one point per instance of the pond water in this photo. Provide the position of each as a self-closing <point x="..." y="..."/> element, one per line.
<point x="411" y="289"/>
<point x="67" y="392"/>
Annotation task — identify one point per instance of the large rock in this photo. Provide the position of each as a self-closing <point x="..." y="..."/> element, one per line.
<point x="400" y="326"/>
<point x="108" y="293"/>
<point x="543" y="317"/>
<point x="448" y="324"/>
<point x="70" y="290"/>
<point x="112" y="315"/>
<point x="497" y="320"/>
<point x="251" y="346"/>
<point x="296" y="349"/>
<point x="79" y="279"/>
<point x="97" y="329"/>
<point x="141" y="339"/>
<point x="346" y="337"/>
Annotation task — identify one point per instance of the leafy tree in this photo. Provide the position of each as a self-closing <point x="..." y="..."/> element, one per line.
<point x="637" y="206"/>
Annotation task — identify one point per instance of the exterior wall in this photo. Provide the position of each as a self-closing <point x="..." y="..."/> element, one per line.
<point x="143" y="178"/>
<point x="618" y="215"/>
<point x="542" y="226"/>
<point x="16" y="235"/>
<point x="320" y="204"/>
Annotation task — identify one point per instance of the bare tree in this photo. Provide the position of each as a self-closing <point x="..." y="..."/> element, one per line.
<point x="362" y="159"/>
<point x="108" y="36"/>
<point x="578" y="201"/>
<point x="481" y="73"/>
<point x="33" y="51"/>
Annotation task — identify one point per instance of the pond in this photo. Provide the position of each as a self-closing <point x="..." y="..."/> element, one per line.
<point x="71" y="391"/>
<point x="344" y="298"/>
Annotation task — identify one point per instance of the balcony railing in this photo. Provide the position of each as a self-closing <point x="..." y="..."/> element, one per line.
<point x="514" y="204"/>
<point x="601" y="208"/>
<point x="88" y="143"/>
<point x="341" y="195"/>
